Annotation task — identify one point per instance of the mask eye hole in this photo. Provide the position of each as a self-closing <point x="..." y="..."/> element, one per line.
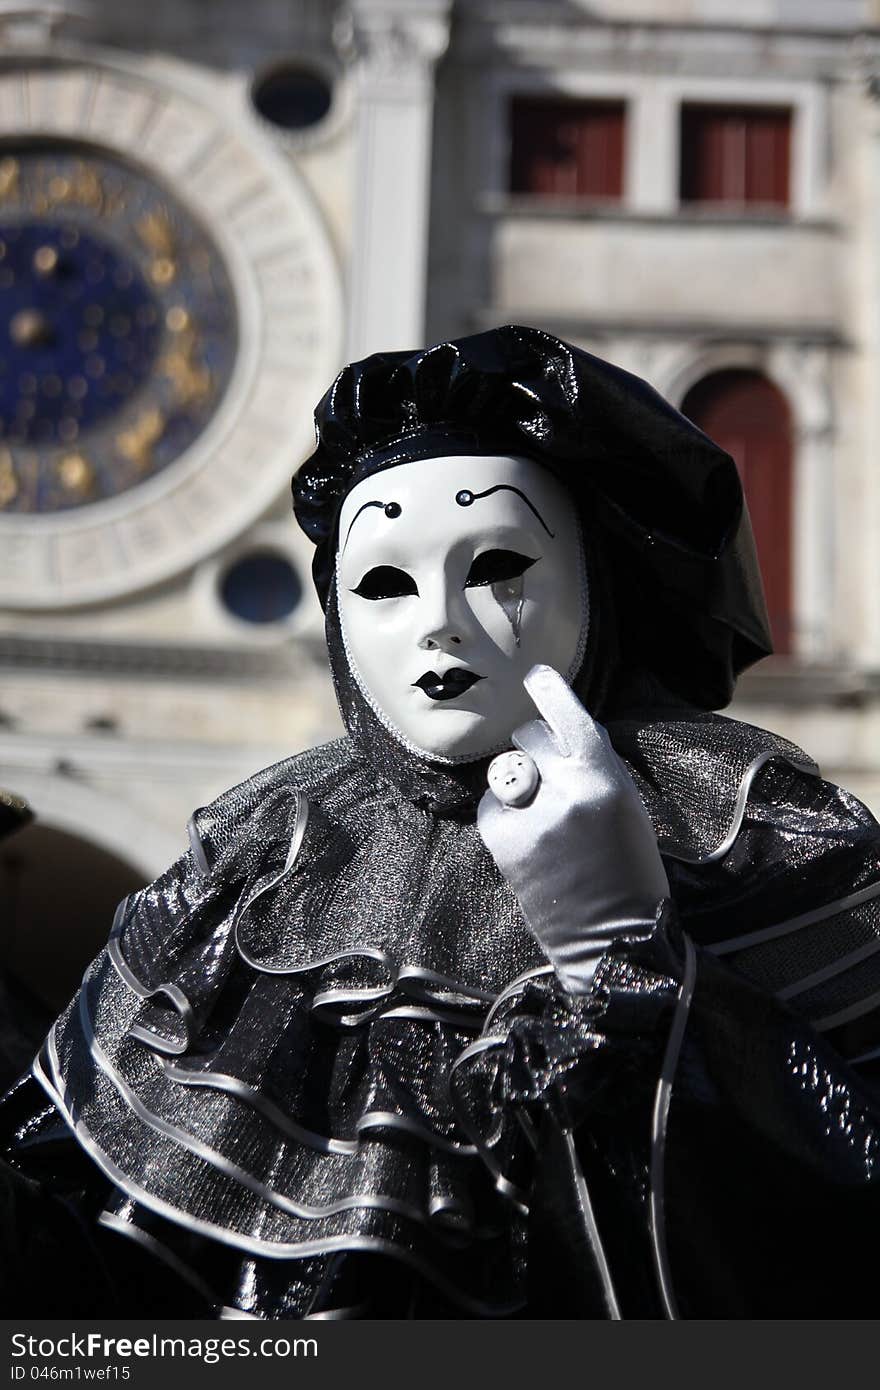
<point x="386" y="581"/>
<point x="497" y="566"/>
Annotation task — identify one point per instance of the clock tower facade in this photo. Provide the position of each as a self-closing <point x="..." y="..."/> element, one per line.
<point x="175" y="229"/>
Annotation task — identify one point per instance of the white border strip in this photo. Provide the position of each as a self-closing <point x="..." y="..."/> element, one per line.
<point x="806" y="919"/>
<point x="670" y="849"/>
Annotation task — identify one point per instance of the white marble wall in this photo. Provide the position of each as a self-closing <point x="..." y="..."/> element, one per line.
<point x="408" y="175"/>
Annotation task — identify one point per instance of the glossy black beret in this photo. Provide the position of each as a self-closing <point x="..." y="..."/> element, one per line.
<point x="661" y="504"/>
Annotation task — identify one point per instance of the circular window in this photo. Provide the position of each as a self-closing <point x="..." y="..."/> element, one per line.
<point x="261" y="588"/>
<point x="292" y="97"/>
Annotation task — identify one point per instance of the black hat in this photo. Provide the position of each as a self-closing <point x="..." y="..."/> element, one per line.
<point x="661" y="502"/>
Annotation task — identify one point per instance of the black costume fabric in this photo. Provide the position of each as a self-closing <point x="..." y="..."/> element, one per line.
<point x="294" y="1084"/>
<point x="322" y="1069"/>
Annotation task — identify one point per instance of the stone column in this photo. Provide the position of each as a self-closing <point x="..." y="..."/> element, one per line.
<point x="394" y="46"/>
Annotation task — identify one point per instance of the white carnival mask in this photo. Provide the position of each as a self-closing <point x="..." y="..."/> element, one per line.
<point x="454" y="577"/>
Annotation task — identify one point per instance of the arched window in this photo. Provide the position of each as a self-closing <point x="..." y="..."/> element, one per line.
<point x="58" y="894"/>
<point x="750" y="418"/>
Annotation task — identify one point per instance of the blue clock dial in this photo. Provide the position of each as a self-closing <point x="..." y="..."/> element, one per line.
<point x="82" y="332"/>
<point x="117" y="328"/>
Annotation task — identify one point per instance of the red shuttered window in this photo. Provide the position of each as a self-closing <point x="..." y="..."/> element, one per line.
<point x="736" y="155"/>
<point x="562" y="148"/>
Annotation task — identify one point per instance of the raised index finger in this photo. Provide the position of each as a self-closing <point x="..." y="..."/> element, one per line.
<point x="572" y="727"/>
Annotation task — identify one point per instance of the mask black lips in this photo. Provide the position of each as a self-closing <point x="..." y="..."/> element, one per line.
<point x="448" y="686"/>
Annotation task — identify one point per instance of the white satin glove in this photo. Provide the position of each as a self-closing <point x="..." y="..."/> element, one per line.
<point x="581" y="856"/>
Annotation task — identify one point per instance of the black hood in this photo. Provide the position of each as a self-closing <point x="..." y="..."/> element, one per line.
<point x="662" y="504"/>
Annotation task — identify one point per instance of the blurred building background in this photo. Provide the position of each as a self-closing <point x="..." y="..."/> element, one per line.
<point x="207" y="206"/>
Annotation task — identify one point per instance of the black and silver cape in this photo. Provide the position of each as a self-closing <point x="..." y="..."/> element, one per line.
<point x="323" y="1070"/>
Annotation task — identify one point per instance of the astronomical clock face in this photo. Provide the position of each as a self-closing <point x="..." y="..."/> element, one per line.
<point x="169" y="310"/>
<point x="117" y="328"/>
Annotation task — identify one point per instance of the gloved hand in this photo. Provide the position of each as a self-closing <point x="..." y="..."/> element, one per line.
<point x="581" y="855"/>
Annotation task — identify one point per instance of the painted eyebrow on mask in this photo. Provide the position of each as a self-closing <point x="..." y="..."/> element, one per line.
<point x="391" y="509"/>
<point x="466" y="498"/>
